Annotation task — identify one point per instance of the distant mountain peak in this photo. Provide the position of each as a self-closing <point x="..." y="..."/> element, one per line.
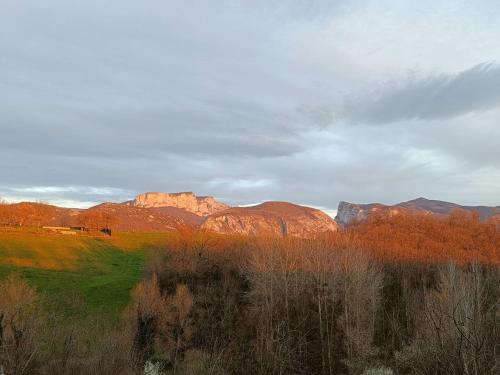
<point x="350" y="212"/>
<point x="420" y="199"/>
<point x="198" y="205"/>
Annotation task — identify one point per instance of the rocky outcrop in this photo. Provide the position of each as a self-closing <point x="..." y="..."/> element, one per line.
<point x="271" y="219"/>
<point x="201" y="206"/>
<point x="349" y="213"/>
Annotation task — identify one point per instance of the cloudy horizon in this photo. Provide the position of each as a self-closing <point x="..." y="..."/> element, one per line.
<point x="311" y="102"/>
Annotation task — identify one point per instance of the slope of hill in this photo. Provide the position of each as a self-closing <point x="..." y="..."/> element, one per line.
<point x="118" y="217"/>
<point x="79" y="274"/>
<point x="180" y="214"/>
<point x="36" y="214"/>
<point x="348" y="213"/>
<point x="125" y="218"/>
<point x="271" y="218"/>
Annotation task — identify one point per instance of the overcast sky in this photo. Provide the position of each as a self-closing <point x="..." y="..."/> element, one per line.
<point x="306" y="101"/>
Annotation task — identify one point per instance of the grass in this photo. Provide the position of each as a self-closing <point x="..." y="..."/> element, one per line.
<point x="79" y="275"/>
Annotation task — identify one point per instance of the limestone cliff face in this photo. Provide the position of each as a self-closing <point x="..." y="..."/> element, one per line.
<point x="201" y="206"/>
<point x="271" y="219"/>
<point x="349" y="213"/>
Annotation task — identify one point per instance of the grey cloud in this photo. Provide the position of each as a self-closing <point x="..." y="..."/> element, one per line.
<point x="472" y="141"/>
<point x="146" y="135"/>
<point x="435" y="97"/>
<point x="155" y="82"/>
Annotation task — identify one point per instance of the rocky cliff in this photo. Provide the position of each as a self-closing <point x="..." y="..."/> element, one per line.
<point x="201" y="206"/>
<point x="349" y="213"/>
<point x="271" y="219"/>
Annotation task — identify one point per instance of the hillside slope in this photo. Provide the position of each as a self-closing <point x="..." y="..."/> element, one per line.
<point x="124" y="218"/>
<point x="79" y="275"/>
<point x="36" y="214"/>
<point x="116" y="216"/>
<point x="271" y="218"/>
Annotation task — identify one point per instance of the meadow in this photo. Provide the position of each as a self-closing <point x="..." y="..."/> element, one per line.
<point x="78" y="275"/>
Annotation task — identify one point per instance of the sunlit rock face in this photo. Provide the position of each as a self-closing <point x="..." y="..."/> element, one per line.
<point x="271" y="219"/>
<point x="201" y="206"/>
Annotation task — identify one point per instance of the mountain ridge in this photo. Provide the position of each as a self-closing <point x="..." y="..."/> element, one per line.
<point x="348" y="213"/>
<point x="167" y="211"/>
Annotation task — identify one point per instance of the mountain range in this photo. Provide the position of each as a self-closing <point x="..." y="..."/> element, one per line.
<point x="349" y="213"/>
<point x="155" y="211"/>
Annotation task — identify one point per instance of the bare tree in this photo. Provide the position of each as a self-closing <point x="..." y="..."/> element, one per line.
<point x="19" y="324"/>
<point x="162" y="323"/>
<point x="360" y="287"/>
<point x="459" y="332"/>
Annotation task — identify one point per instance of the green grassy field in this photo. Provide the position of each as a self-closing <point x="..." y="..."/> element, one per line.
<point x="79" y="275"/>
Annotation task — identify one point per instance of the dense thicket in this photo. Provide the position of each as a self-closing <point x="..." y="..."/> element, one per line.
<point x="460" y="237"/>
<point x="402" y="295"/>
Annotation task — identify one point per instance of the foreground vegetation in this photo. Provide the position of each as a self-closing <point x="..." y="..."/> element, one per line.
<point x="402" y="295"/>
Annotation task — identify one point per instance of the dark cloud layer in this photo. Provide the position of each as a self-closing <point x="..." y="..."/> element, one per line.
<point x="436" y="97"/>
<point x="249" y="100"/>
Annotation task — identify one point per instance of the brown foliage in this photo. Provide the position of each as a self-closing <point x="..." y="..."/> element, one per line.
<point x="461" y="237"/>
<point x="19" y="325"/>
<point x="33" y="342"/>
<point x="162" y="324"/>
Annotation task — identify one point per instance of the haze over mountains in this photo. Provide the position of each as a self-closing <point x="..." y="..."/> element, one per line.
<point x="155" y="211"/>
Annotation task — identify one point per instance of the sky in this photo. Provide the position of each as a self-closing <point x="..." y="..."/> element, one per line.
<point x="311" y="102"/>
